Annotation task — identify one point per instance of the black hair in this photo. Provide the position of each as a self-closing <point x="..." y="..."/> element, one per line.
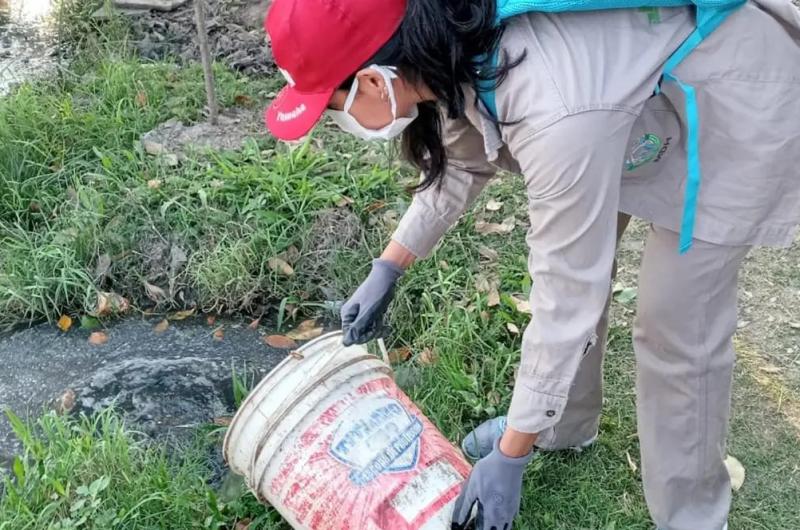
<point x="443" y="44"/>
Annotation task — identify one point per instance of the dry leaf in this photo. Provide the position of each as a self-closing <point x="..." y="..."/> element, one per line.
<point x="523" y="306"/>
<point x="244" y="524"/>
<point x="108" y="303"/>
<point x="181" y="315"/>
<point x="162" y="326"/>
<point x="513" y="328"/>
<point x="485" y="316"/>
<point x="493" y="397"/>
<point x="153" y="184"/>
<point x="770" y="369"/>
<point x="296" y="355"/>
<point x="223" y="421"/>
<point x="736" y="472"/>
<point x="307" y="330"/>
<point x="344" y="201"/>
<point x="631" y="463"/>
<point x="211" y="320"/>
<point x="493" y="205"/>
<point x="377" y="205"/>
<point x="506" y="227"/>
<point x="65" y="402"/>
<point x="64" y="323"/>
<point x="219" y="333"/>
<point x="427" y="357"/>
<point x="141" y="98"/>
<point x="97" y="338"/>
<point x="290" y="255"/>
<point x="391" y="219"/>
<point x="254" y="324"/>
<point x="794" y="325"/>
<point x="102" y="266"/>
<point x="280" y="341"/>
<point x="154" y="292"/>
<point x="280" y="266"/>
<point x="243" y="100"/>
<point x="487" y="253"/>
<point x="494" y="297"/>
<point x="399" y="355"/>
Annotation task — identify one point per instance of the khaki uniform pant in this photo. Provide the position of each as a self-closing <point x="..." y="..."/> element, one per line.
<point x="683" y="340"/>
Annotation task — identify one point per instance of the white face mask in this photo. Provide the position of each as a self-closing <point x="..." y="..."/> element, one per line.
<point x="348" y="122"/>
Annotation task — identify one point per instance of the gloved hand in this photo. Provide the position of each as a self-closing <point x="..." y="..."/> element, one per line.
<point x="480" y="442"/>
<point x="362" y="314"/>
<point x="495" y="484"/>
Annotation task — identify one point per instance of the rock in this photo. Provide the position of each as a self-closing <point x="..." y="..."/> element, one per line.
<point x="155" y="5"/>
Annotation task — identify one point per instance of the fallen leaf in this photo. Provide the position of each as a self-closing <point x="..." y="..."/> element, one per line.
<point x="141" y="98"/>
<point x="487" y="253"/>
<point x="626" y="295"/>
<point x="243" y="100"/>
<point x="102" y="266"/>
<point x="296" y="355"/>
<point x="211" y="319"/>
<point x="65" y="402"/>
<point x="377" y="205"/>
<point x="154" y="292"/>
<point x="444" y="265"/>
<point x="89" y="322"/>
<point x="513" y="328"/>
<point x="343" y="201"/>
<point x="254" y="324"/>
<point x="631" y="463"/>
<point x="280" y="341"/>
<point x="523" y="306"/>
<point x="399" y="355"/>
<point x="162" y="326"/>
<point x="506" y="227"/>
<point x="307" y="330"/>
<point x="391" y="219"/>
<point x="223" y="421"/>
<point x="427" y="357"/>
<point x="103" y="305"/>
<point x="219" y="333"/>
<point x="485" y="316"/>
<point x="290" y="255"/>
<point x="244" y="524"/>
<point x="736" y="471"/>
<point x="493" y="397"/>
<point x="493" y="299"/>
<point x="64" y="323"/>
<point x="153" y="184"/>
<point x="181" y="315"/>
<point x="770" y="369"/>
<point x="280" y="266"/>
<point x="794" y="325"/>
<point x="97" y="338"/>
<point x="493" y="205"/>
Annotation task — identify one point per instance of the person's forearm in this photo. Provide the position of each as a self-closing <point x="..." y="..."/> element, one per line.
<point x="517" y="444"/>
<point x="398" y="254"/>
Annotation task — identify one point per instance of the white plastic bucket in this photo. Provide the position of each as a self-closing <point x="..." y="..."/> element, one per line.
<point x="329" y="440"/>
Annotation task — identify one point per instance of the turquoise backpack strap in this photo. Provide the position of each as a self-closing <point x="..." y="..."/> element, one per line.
<point x="708" y="19"/>
<point x="710" y="14"/>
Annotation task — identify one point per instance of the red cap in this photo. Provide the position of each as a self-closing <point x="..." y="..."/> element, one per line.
<point x="318" y="44"/>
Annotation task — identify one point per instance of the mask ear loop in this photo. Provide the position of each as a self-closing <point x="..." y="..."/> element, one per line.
<point x="388" y="75"/>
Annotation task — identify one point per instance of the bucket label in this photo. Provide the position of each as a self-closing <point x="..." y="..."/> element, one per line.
<point x="377" y="436"/>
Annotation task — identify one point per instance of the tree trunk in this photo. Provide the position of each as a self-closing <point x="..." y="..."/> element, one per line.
<point x="205" y="58"/>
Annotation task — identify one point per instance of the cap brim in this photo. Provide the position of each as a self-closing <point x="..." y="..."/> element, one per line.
<point x="293" y="114"/>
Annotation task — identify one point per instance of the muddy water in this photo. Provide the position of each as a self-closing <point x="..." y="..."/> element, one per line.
<point x="26" y="40"/>
<point x="166" y="383"/>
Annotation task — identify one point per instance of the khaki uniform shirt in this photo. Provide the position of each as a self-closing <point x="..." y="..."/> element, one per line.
<point x="590" y="140"/>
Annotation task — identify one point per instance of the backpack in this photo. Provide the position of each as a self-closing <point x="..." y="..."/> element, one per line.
<point x="709" y="15"/>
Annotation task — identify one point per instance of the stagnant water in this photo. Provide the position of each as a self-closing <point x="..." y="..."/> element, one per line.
<point x="27" y="39"/>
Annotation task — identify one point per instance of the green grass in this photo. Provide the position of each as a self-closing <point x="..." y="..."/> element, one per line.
<point x="74" y="187"/>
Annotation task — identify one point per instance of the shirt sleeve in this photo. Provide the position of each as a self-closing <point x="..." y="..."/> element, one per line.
<point x="572" y="173"/>
<point x="434" y="211"/>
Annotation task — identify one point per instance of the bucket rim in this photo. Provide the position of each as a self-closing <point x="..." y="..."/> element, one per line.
<point x="247" y="403"/>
